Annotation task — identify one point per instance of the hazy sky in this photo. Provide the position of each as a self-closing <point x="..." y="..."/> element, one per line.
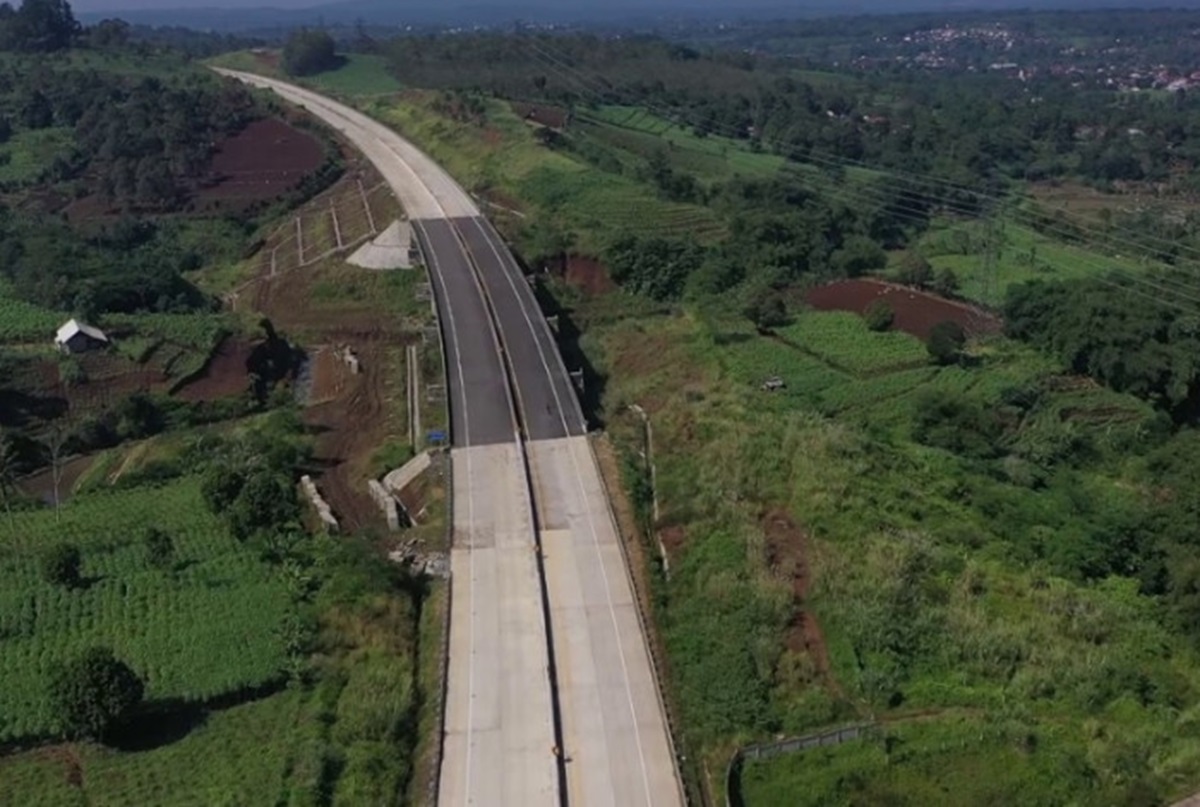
<point x="91" y="7"/>
<point x="109" y="5"/>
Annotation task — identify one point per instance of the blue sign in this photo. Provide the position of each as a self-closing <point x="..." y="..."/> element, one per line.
<point x="436" y="436"/>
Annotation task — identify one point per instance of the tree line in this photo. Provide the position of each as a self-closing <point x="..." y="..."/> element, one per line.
<point x="980" y="129"/>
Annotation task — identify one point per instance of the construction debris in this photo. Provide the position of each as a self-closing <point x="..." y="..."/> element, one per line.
<point x="430" y="564"/>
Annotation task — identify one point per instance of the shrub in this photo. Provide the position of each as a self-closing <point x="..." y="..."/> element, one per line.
<point x="946" y="342"/>
<point x="61" y="565"/>
<point x="160" y="549"/>
<point x="945" y="282"/>
<point x="879" y="316"/>
<point x="93" y="692"/>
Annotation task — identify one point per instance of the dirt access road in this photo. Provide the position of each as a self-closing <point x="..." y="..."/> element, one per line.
<point x="532" y="670"/>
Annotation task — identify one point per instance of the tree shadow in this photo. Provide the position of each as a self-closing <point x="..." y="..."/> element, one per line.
<point x="158" y="723"/>
<point x="180" y="566"/>
<point x="568" y="336"/>
<point x="18" y="408"/>
<point x="168" y="720"/>
<point x="85" y="583"/>
<point x="734" y="338"/>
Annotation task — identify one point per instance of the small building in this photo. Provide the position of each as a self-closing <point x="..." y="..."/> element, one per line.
<point x="77" y="337"/>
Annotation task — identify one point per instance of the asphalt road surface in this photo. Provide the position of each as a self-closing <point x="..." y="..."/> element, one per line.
<point x="513" y="499"/>
<point x="480" y="404"/>
<point x="545" y="393"/>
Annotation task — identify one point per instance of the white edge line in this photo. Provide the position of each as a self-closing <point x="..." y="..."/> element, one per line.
<point x="595" y="538"/>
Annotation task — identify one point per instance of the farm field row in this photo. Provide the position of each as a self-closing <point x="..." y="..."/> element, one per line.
<point x="210" y="628"/>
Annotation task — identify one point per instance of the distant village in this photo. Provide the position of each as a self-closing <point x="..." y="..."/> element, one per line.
<point x="954" y="48"/>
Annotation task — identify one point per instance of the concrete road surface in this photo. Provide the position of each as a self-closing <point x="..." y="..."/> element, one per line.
<point x="613" y="725"/>
<point x="423" y="187"/>
<point x="500" y="732"/>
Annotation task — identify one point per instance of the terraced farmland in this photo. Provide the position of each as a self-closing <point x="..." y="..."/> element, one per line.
<point x="210" y="628"/>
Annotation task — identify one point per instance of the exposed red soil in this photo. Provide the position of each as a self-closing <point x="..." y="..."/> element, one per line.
<point x="225" y="376"/>
<point x="555" y="117"/>
<point x="917" y="312"/>
<point x="269" y="58"/>
<point x="348" y="411"/>
<point x="110" y="378"/>
<point x="331" y="374"/>
<point x="352" y="425"/>
<point x="788" y="554"/>
<point x="587" y="274"/>
<point x="266" y="159"/>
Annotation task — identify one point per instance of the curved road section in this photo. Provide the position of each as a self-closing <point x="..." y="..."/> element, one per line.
<point x="551" y="695"/>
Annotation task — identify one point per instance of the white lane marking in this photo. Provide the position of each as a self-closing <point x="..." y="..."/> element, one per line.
<point x="612" y="610"/>
<point x="462" y="388"/>
<point x="529" y="322"/>
<point x="365" y="125"/>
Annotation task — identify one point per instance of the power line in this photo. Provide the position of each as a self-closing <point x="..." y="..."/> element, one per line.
<point x="540" y="48"/>
<point x="1032" y="222"/>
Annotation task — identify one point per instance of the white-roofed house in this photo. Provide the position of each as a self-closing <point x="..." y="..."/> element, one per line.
<point x="77" y="337"/>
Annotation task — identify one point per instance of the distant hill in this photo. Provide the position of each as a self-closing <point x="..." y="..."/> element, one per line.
<point x="499" y="12"/>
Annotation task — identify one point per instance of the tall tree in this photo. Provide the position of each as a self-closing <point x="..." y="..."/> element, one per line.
<point x="309" y="51"/>
<point x="39" y="26"/>
<point x="93" y="692"/>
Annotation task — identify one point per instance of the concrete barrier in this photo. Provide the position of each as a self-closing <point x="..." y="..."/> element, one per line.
<point x="386" y="502"/>
<point x="396" y="481"/>
<point x="324" y="512"/>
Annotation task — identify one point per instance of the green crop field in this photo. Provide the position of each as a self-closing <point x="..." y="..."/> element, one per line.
<point x="1018" y="254"/>
<point x="24" y="322"/>
<point x="210" y="629"/>
<point x="844" y="341"/>
<point x="250" y="754"/>
<point x="200" y="331"/>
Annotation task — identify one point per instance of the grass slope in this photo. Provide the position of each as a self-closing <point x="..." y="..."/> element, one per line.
<point x="924" y="574"/>
<point x="237" y="756"/>
<point x="1018" y="254"/>
<point x="499" y="153"/>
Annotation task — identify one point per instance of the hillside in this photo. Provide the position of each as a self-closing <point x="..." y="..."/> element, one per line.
<point x="149" y="475"/>
<point x="980" y="552"/>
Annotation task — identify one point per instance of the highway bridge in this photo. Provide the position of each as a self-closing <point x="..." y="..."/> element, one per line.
<point x="551" y="694"/>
